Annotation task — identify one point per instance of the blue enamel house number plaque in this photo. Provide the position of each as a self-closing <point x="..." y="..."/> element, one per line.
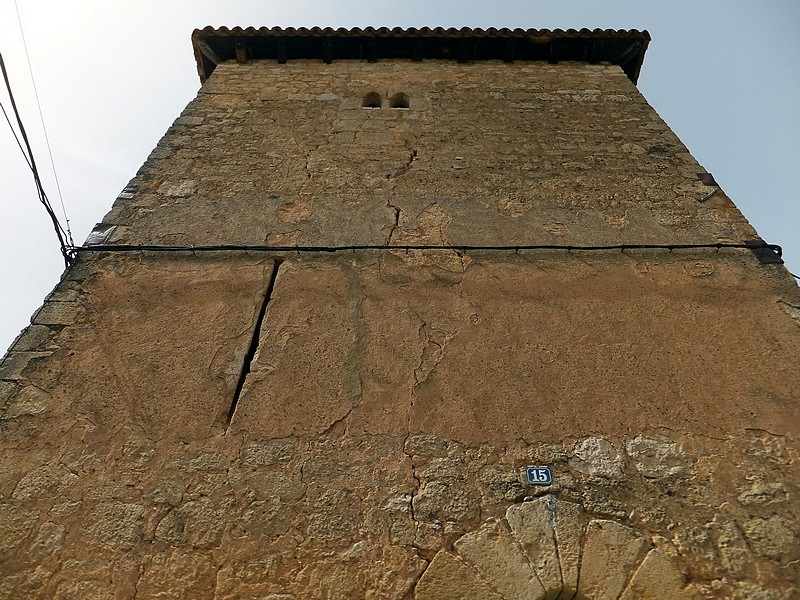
<point x="539" y="475"/>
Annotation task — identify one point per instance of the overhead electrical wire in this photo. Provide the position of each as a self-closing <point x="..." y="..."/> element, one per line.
<point x="16" y="137"/>
<point x="61" y="233"/>
<point x="753" y="246"/>
<point x="463" y="248"/>
<point x="70" y="251"/>
<point x="44" y="128"/>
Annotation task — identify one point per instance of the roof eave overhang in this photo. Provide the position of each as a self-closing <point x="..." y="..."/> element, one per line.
<point x="625" y="48"/>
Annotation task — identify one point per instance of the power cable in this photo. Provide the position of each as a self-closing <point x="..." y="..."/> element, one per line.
<point x="16" y="137"/>
<point x="60" y="233"/>
<point x="44" y="129"/>
<point x="74" y="250"/>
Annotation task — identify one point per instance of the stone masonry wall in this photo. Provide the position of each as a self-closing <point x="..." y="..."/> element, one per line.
<point x="534" y="153"/>
<point x="355" y="424"/>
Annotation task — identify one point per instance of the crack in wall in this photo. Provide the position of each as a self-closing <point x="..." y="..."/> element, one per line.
<point x="433" y="347"/>
<point x="578" y="566"/>
<point x="480" y="576"/>
<point x="251" y="351"/>
<point x="405" y="167"/>
<point x="417" y="481"/>
<point x="331" y="430"/>
<point x="224" y="365"/>
<point x="412" y="589"/>
<point x="417" y="486"/>
<point x="393" y="227"/>
<point x="743" y="536"/>
<point x="759" y="430"/>
<point x="139" y="578"/>
<point x="550" y="505"/>
<point x="220" y="567"/>
<point x="518" y="545"/>
<point x="411" y="513"/>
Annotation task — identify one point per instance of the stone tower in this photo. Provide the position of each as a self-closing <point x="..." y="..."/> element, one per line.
<point x="364" y="282"/>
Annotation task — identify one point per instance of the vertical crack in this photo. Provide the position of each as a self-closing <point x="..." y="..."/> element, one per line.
<point x="412" y="589"/>
<point x="433" y="347"/>
<point x="139" y="577"/>
<point x="393" y="227"/>
<point x="251" y="350"/>
<point x="417" y="481"/>
<point x="551" y="507"/>
<point x="405" y="166"/>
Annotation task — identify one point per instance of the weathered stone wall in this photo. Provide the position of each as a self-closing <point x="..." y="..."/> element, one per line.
<point x="524" y="153"/>
<point x="375" y="445"/>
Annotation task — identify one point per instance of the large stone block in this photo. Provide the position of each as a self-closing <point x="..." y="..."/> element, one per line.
<point x="57" y="313"/>
<point x="657" y="457"/>
<point x="270" y="451"/>
<point x="199" y="523"/>
<point x="48" y="481"/>
<point x="440" y="502"/>
<point x="448" y="578"/>
<point x="114" y="525"/>
<point x="657" y="578"/>
<point x="569" y="526"/>
<point x="497" y="556"/>
<point x="610" y="554"/>
<point x="597" y="457"/>
<point x="533" y="526"/>
<point x="15" y="525"/>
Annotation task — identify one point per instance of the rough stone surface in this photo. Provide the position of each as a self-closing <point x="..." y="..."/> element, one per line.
<point x="597" y="457"/>
<point x="732" y="547"/>
<point x="168" y="491"/>
<point x="57" y="313"/>
<point x="497" y="557"/>
<point x="439" y="502"/>
<point x="657" y="457"/>
<point x="29" y="401"/>
<point x="448" y="578"/>
<point x="14" y="364"/>
<point x="532" y="523"/>
<point x="114" y="525"/>
<point x="657" y="578"/>
<point x="773" y="538"/>
<point x="201" y="523"/>
<point x="373" y="446"/>
<point x="792" y="311"/>
<point x="177" y="574"/>
<point x="49" y="540"/>
<point x="610" y="554"/>
<point x="325" y="153"/>
<point x="15" y="524"/>
<point x="752" y="591"/>
<point x="45" y="482"/>
<point x="426" y="445"/>
<point x="569" y="526"/>
<point x="269" y="452"/>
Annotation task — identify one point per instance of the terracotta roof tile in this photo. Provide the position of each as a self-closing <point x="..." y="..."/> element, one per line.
<point x="623" y="47"/>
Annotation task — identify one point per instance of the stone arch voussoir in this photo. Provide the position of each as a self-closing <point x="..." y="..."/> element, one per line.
<point x="549" y="549"/>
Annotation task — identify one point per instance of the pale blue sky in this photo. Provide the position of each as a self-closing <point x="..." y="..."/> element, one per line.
<point x="112" y="76"/>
